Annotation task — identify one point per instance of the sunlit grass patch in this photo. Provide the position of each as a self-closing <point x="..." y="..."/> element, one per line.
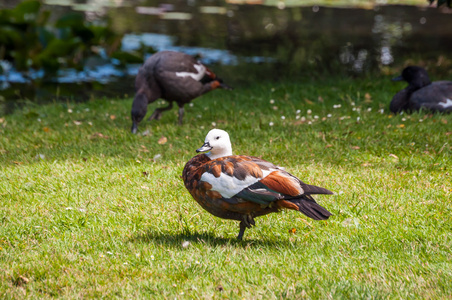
<point x="90" y="210"/>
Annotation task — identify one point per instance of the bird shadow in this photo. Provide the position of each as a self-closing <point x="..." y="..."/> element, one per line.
<point x="177" y="240"/>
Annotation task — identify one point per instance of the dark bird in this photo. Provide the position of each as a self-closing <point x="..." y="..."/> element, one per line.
<point x="240" y="187"/>
<point x="421" y="93"/>
<point x="172" y="76"/>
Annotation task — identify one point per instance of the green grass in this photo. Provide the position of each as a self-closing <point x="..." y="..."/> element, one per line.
<point x="86" y="211"/>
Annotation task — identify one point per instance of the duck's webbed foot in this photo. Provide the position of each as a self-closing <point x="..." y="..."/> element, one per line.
<point x="247" y="222"/>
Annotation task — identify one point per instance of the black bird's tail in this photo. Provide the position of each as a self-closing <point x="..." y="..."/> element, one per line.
<point x="310" y="208"/>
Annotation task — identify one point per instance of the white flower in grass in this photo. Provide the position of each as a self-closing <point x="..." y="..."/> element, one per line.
<point x="403" y="119"/>
<point x="420" y="120"/>
<point x="199" y="116"/>
<point x="341" y="192"/>
<point x="329" y="115"/>
<point x="369" y="109"/>
<point x="382" y="111"/>
<point x="191" y="104"/>
<point x="271" y="124"/>
<point x="69" y="208"/>
<point x="354" y="108"/>
<point x="357" y="119"/>
<point x="309" y="122"/>
<point x="197" y="262"/>
<point x="152" y="257"/>
<point x="69" y="110"/>
<point x="316" y="117"/>
<point x="309" y="111"/>
<point x="298" y="111"/>
<point x="297" y="117"/>
<point x="185" y="244"/>
<point x="214" y="124"/>
<point x="283" y="117"/>
<point x="337" y="106"/>
<point x="352" y="103"/>
<point x="272" y="101"/>
<point x="303" y="119"/>
<point x="108" y="252"/>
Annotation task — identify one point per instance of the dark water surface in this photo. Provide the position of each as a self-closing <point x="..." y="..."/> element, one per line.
<point x="282" y="40"/>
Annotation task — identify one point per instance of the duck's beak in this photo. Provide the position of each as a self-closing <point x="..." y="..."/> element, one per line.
<point x="398" y="78"/>
<point x="204" y="148"/>
<point x="223" y="85"/>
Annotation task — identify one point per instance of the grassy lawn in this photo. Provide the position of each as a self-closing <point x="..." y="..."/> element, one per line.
<point x="90" y="210"/>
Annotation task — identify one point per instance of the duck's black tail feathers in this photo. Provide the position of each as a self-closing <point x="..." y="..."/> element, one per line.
<point x="312" y="189"/>
<point x="311" y="209"/>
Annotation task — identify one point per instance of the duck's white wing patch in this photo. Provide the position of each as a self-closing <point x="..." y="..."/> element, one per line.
<point x="229" y="186"/>
<point x="447" y="104"/>
<point x="201" y="70"/>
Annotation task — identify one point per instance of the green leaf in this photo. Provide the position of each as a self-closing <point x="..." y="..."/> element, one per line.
<point x="28" y="7"/>
<point x="25" y="12"/>
<point x="45" y="36"/>
<point x="71" y="20"/>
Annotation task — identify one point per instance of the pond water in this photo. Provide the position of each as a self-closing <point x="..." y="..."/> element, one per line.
<point x="281" y="36"/>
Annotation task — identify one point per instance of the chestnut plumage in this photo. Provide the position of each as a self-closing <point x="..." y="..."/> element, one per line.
<point x="240" y="187"/>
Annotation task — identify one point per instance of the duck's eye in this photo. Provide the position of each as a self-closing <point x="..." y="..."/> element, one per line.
<point x="217" y="137"/>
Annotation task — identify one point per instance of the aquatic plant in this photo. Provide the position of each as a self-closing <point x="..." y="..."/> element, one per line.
<point x="29" y="39"/>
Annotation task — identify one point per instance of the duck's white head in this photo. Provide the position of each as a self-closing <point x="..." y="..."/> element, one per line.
<point x="218" y="143"/>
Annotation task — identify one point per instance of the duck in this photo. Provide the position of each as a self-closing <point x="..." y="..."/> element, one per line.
<point x="241" y="188"/>
<point x="174" y="77"/>
<point x="421" y="93"/>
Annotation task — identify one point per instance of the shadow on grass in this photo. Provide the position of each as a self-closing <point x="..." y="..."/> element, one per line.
<point x="172" y="239"/>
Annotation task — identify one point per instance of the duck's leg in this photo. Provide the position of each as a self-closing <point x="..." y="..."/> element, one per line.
<point x="181" y="114"/>
<point x="242" y="230"/>
<point x="157" y="114"/>
<point x="247" y="222"/>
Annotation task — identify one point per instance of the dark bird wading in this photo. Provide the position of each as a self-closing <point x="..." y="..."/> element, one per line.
<point x="239" y="187"/>
<point x="421" y="93"/>
<point x="174" y="77"/>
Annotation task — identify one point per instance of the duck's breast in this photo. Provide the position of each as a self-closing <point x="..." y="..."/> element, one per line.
<point x="400" y="101"/>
